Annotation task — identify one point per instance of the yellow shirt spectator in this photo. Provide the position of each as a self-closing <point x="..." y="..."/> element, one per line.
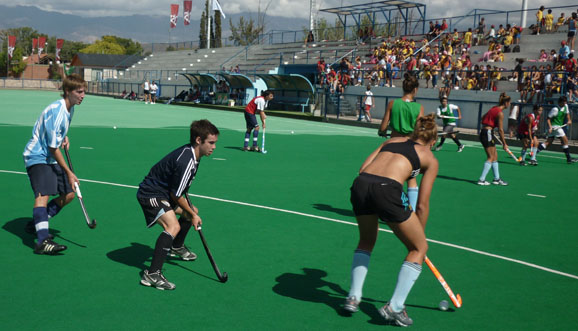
<point x="508" y="40"/>
<point x="468" y="38"/>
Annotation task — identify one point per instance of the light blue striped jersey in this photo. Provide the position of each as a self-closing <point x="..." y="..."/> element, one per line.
<point x="49" y="132"/>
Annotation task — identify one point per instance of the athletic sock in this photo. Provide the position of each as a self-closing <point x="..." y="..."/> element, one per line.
<point x="442" y="141"/>
<point x="541" y="147"/>
<point x="180" y="237"/>
<point x="533" y="152"/>
<point x="487" y="166"/>
<point x="162" y="248"/>
<point x="359" y="269"/>
<point x="408" y="274"/>
<point x="496" y="170"/>
<point x="247" y="136"/>
<point x="40" y="217"/>
<point x="523" y="155"/>
<point x="457" y="141"/>
<point x="412" y="193"/>
<point x="52" y="208"/>
<point x="567" y="152"/>
<point x="255" y="137"/>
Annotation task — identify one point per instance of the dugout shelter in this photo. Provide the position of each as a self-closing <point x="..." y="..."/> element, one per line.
<point x="292" y="91"/>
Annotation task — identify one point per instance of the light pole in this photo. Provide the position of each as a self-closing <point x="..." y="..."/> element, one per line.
<point x="524" y="12"/>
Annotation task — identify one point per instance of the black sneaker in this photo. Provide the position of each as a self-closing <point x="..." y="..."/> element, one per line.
<point x="400" y="318"/>
<point x="49" y="247"/>
<point x="533" y="162"/>
<point x="499" y="181"/>
<point x="523" y="163"/>
<point x="156" y="280"/>
<point x="572" y="160"/>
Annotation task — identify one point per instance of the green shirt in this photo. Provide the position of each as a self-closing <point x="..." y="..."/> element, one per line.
<point x="448" y="111"/>
<point x="557" y="116"/>
<point x="404" y="115"/>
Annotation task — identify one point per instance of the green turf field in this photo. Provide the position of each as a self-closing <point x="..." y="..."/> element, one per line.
<point x="281" y="226"/>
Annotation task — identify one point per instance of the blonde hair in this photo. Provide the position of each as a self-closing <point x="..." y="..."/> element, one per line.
<point x="425" y="129"/>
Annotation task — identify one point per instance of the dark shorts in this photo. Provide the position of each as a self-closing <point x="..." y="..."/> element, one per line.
<point x="251" y="121"/>
<point x="153" y="208"/>
<point x="487" y="138"/>
<point x="147" y="92"/>
<point x="523" y="136"/>
<point x="48" y="179"/>
<point x="512" y="122"/>
<point x="383" y="196"/>
<point x="571" y="34"/>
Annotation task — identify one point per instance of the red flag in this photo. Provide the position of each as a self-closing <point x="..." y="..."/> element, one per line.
<point x="174" y="14"/>
<point x="187" y="7"/>
<point x="34" y="44"/>
<point x="59" y="43"/>
<point x="11" y="45"/>
<point x="41" y="44"/>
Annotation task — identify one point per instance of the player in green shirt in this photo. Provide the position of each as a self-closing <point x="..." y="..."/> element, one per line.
<point x="446" y="112"/>
<point x="555" y="120"/>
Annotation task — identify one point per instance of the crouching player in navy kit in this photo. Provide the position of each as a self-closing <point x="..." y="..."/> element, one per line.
<point x="45" y="164"/>
<point x="256" y="106"/>
<point x="162" y="195"/>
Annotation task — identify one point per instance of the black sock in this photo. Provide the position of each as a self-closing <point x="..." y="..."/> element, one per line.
<point x="567" y="152"/>
<point x="442" y="140"/>
<point x="185" y="227"/>
<point x="162" y="248"/>
<point x="457" y="141"/>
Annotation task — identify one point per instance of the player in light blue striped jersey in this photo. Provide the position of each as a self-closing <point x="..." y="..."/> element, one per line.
<point x="47" y="170"/>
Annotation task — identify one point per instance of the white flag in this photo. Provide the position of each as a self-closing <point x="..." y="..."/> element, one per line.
<point x="217" y="6"/>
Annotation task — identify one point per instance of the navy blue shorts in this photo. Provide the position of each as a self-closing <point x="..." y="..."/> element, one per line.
<point x="371" y="194"/>
<point x="153" y="208"/>
<point x="48" y="179"/>
<point x="251" y="121"/>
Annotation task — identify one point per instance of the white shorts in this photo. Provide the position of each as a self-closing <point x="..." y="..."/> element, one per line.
<point x="557" y="133"/>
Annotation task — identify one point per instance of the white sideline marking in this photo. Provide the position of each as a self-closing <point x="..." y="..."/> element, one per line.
<point x="532" y="265"/>
<point x="219" y="159"/>
<point x="536" y="195"/>
<point x="86" y="148"/>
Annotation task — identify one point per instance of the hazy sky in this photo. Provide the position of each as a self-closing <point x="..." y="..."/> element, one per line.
<point x="288" y="8"/>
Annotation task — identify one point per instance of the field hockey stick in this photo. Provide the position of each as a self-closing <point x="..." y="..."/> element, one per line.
<point x="509" y="151"/>
<point x="559" y="126"/>
<point x="91" y="224"/>
<point x="263" y="143"/>
<point x="222" y="277"/>
<point x="456" y="299"/>
<point x="444" y="133"/>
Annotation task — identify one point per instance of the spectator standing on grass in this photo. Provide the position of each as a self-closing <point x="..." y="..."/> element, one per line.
<point x="154" y="89"/>
<point x="147" y="93"/>
<point x="369" y="103"/>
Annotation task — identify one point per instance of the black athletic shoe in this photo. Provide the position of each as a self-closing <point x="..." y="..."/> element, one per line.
<point x="572" y="160"/>
<point x="48" y="247"/>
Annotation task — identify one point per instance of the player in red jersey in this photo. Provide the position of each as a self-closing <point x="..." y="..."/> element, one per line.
<point x="526" y="132"/>
<point x="256" y="106"/>
<point x="494" y="118"/>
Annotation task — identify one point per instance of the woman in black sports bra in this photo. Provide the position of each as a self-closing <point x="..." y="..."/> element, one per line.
<point x="377" y="193"/>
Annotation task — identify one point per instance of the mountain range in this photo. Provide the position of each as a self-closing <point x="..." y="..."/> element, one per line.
<point x="141" y="28"/>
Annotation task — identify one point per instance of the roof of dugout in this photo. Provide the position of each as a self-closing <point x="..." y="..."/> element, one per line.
<point x="386" y="8"/>
<point x="291" y="82"/>
<point x="208" y="80"/>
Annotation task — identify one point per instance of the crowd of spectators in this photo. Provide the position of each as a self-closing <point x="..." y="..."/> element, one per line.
<point x="444" y="58"/>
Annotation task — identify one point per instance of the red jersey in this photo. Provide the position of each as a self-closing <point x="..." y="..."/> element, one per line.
<point x="530" y="121"/>
<point x="489" y="119"/>
<point x="254" y="104"/>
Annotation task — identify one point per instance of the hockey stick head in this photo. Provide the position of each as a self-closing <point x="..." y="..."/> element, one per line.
<point x="224" y="277"/>
<point x="92" y="224"/>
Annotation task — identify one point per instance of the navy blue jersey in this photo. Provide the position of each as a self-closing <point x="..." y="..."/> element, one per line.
<point x="173" y="174"/>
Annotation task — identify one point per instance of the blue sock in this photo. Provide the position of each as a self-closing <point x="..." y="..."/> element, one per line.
<point x="40" y="217"/>
<point x="408" y="274"/>
<point x="247" y="136"/>
<point x="524" y="154"/>
<point x="255" y="137"/>
<point x="533" y="151"/>
<point x="487" y="166"/>
<point x="358" y="272"/>
<point x="53" y="208"/>
<point x="496" y="170"/>
<point x="412" y="193"/>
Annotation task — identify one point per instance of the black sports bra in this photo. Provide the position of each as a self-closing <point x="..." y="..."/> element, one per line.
<point x="406" y="149"/>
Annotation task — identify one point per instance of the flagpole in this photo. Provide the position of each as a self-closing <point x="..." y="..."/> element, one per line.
<point x="209" y="25"/>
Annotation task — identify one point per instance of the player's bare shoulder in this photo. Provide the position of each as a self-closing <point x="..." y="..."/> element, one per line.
<point x="426" y="157"/>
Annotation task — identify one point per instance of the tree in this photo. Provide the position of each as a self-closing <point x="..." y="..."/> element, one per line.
<point x="203" y="28"/>
<point x="245" y="32"/>
<point x="218" y="42"/>
<point x="131" y="47"/>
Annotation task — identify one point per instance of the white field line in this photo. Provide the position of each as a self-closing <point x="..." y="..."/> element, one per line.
<point x="532" y="265"/>
<point x="536" y="195"/>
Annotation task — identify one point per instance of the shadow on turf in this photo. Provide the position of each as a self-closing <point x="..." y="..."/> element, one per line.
<point x="458" y="179"/>
<point x="340" y="211"/>
<point x="18" y="228"/>
<point x="310" y="286"/>
<point x="137" y="254"/>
